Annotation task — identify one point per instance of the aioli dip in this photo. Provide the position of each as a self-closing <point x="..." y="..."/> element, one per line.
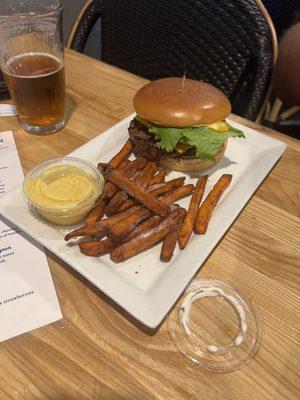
<point x="63" y="190"/>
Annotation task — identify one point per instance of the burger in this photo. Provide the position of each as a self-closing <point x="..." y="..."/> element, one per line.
<point x="181" y="123"/>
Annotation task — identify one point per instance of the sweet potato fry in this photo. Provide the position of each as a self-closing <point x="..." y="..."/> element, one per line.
<point x="116" y="201"/>
<point x="145" y="240"/>
<point x="141" y="178"/>
<point x="96" y="213"/>
<point x="148" y="172"/>
<point x="129" y="169"/>
<point x="170" y="240"/>
<point x="101" y="226"/>
<point x="135" y="224"/>
<point x="166" y="187"/>
<point x="128" y="204"/>
<point x="121" y="180"/>
<point x="123" y="163"/>
<point x="123" y="153"/>
<point x="134" y="166"/>
<point x="144" y="226"/>
<point x="156" y="190"/>
<point x="158" y="178"/>
<point x="122" y="229"/>
<point x="95" y="249"/>
<point x="136" y="174"/>
<point x="99" y="248"/>
<point x="190" y="218"/>
<point x="210" y="203"/>
<point x="109" y="190"/>
<point x="177" y="194"/>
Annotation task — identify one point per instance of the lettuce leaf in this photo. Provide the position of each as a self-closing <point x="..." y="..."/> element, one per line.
<point x="206" y="140"/>
<point x="167" y="138"/>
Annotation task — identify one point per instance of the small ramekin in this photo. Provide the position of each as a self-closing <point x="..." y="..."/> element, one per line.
<point x="64" y="213"/>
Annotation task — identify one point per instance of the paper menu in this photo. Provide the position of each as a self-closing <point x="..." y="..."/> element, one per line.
<point x="7" y="110"/>
<point x="11" y="174"/>
<point x="27" y="295"/>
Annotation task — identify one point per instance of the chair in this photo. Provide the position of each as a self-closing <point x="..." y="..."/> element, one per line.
<point x="4" y="94"/>
<point x="283" y="13"/>
<point x="229" y="43"/>
<point x="284" y="113"/>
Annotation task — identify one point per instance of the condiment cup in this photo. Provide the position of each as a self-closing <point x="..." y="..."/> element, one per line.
<point x="63" y="190"/>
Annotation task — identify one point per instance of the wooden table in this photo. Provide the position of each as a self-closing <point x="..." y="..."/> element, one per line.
<point x="95" y="352"/>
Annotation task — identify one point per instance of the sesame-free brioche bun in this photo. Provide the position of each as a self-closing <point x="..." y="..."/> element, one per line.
<point x="173" y="103"/>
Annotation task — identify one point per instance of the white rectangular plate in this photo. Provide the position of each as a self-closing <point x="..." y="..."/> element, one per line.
<point x="144" y="286"/>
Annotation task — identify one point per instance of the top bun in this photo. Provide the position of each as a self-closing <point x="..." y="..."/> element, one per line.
<point x="165" y="103"/>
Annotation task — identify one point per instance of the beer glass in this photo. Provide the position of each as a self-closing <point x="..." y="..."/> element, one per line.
<point x="32" y="61"/>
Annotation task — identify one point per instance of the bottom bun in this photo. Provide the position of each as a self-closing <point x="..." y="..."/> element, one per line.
<point x="191" y="163"/>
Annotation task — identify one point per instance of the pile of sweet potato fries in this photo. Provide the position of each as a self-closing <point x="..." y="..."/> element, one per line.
<point x="140" y="210"/>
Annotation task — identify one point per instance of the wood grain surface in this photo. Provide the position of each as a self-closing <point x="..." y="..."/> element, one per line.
<point x="99" y="352"/>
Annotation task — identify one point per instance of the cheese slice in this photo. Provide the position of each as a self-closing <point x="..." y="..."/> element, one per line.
<point x="182" y="147"/>
<point x="220" y="126"/>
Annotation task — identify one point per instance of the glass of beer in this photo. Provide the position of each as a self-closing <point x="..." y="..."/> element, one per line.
<point x="32" y="62"/>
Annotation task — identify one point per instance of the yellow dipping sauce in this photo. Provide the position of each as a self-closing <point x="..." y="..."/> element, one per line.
<point x="63" y="193"/>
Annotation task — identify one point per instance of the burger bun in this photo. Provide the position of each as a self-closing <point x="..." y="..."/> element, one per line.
<point x="174" y="102"/>
<point x="186" y="164"/>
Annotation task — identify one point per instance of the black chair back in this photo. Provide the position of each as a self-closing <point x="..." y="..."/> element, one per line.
<point x="224" y="42"/>
<point x="4" y="94"/>
<point x="283" y="13"/>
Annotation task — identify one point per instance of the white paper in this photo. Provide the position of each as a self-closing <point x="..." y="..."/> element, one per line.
<point x="27" y="295"/>
<point x="7" y="110"/>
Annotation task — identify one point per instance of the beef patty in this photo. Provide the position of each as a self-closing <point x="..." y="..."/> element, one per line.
<point x="145" y="143"/>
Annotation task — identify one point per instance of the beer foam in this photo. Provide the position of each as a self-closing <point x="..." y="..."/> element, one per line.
<point x="9" y="70"/>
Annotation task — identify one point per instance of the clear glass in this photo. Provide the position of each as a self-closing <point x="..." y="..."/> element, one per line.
<point x="32" y="61"/>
